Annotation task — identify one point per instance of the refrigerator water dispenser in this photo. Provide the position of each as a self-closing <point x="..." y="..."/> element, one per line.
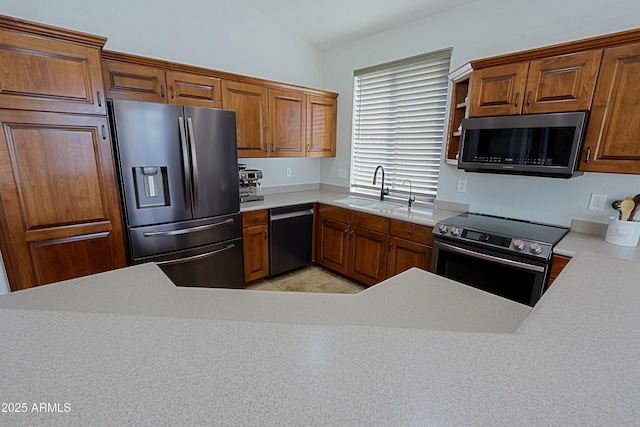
<point x="151" y="188"/>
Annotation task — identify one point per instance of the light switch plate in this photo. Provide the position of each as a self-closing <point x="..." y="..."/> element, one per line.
<point x="342" y="173"/>
<point x="462" y="186"/>
<point x="288" y="172"/>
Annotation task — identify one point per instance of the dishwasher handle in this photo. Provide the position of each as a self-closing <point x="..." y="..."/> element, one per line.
<point x="277" y="214"/>
<point x="277" y="217"/>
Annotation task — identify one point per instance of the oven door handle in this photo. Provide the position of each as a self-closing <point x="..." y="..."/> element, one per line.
<point x="491" y="258"/>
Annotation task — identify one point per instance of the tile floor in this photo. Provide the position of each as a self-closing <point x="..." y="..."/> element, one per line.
<point x="309" y="279"/>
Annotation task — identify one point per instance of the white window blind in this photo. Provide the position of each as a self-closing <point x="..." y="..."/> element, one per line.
<point x="398" y="122"/>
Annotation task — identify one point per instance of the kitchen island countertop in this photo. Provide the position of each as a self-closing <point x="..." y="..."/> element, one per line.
<point x="146" y="355"/>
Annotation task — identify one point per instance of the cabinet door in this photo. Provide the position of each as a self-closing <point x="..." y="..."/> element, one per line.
<point x="367" y="255"/>
<point x="60" y="208"/>
<point x="194" y="90"/>
<point x="333" y="243"/>
<point x="255" y="243"/>
<point x="404" y="254"/>
<point x="612" y="142"/>
<point x="134" y="82"/>
<point x="321" y="126"/>
<point x="499" y="90"/>
<point x="562" y="83"/>
<point x="49" y="75"/>
<point x="287" y="117"/>
<point x="251" y="105"/>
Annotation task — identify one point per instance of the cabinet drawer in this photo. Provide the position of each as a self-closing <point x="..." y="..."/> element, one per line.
<point x="255" y="218"/>
<point x="370" y="222"/>
<point x="414" y="232"/>
<point x="557" y="265"/>
<point x="332" y="212"/>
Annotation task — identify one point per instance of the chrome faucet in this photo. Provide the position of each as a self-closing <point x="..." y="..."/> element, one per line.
<point x="383" y="192"/>
<point x="411" y="199"/>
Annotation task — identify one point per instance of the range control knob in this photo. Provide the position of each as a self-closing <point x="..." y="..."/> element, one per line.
<point x="455" y="231"/>
<point x="535" y="248"/>
<point x="518" y="245"/>
<point x="443" y="228"/>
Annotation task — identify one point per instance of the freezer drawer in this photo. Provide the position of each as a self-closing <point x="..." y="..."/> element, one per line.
<point x="211" y="266"/>
<point x="159" y="239"/>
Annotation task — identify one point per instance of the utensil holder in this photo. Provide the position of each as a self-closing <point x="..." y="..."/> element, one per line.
<point x="623" y="233"/>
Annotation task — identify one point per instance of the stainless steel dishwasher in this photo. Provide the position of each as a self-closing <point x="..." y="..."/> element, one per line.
<point x="290" y="237"/>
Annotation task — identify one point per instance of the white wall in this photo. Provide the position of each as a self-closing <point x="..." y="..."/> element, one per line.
<point x="476" y="30"/>
<point x="225" y="35"/>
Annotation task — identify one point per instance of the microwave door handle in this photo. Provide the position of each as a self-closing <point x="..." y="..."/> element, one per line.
<point x="194" y="162"/>
<point x="491" y="258"/>
<point x="185" y="163"/>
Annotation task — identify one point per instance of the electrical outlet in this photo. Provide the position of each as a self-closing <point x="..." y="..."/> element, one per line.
<point x="342" y="173"/>
<point x="288" y="172"/>
<point x="597" y="202"/>
<point x="462" y="186"/>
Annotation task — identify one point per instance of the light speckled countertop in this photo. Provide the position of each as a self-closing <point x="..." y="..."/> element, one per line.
<point x="128" y="348"/>
<point x="572" y="244"/>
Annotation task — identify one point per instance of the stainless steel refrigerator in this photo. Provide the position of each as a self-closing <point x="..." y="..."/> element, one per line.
<point x="178" y="172"/>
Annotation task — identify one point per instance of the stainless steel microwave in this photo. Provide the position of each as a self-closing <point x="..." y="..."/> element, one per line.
<point x="535" y="144"/>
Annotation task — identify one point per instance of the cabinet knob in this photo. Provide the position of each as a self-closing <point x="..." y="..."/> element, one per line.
<point x="409" y="232"/>
<point x="586" y="160"/>
<point x="390" y="247"/>
<point x="255" y="218"/>
<point x="517" y="96"/>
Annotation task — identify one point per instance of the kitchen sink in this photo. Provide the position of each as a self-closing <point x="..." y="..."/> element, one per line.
<point x="384" y="206"/>
<point x="369" y="204"/>
<point x="355" y="201"/>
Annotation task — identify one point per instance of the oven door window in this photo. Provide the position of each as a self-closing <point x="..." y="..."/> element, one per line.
<point x="517" y="284"/>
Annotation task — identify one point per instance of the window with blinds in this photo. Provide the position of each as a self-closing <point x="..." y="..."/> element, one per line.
<point x="398" y="122"/>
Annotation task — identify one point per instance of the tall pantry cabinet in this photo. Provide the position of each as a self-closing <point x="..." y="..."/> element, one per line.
<point x="59" y="206"/>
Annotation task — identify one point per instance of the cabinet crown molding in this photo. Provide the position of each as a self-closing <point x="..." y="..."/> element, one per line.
<point x="598" y="42"/>
<point x="48" y="31"/>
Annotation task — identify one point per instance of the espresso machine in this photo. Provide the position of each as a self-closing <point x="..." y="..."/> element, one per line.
<point x="249" y="184"/>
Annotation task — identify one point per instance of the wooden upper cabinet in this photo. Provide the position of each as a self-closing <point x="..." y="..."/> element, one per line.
<point x="612" y="141"/>
<point x="194" y="90"/>
<point x="251" y="104"/>
<point x="321" y="126"/>
<point x="554" y="84"/>
<point x="498" y="90"/>
<point x="38" y="73"/>
<point x="60" y="214"/>
<point x="287" y="123"/>
<point x="562" y="83"/>
<point x="134" y="82"/>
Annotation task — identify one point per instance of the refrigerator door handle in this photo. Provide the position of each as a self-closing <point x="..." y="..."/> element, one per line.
<point x="194" y="161"/>
<point x="185" y="163"/>
<point x="187" y="230"/>
<point x="196" y="257"/>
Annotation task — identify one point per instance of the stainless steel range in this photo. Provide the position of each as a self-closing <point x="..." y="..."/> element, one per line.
<point x="504" y="256"/>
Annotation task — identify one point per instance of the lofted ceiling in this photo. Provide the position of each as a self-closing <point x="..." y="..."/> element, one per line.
<point x="328" y="23"/>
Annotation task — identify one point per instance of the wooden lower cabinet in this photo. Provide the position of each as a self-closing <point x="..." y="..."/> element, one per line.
<point x="255" y="244"/>
<point x="367" y="255"/>
<point x="369" y="248"/>
<point x="60" y="215"/>
<point x="405" y="254"/>
<point x="558" y="263"/>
